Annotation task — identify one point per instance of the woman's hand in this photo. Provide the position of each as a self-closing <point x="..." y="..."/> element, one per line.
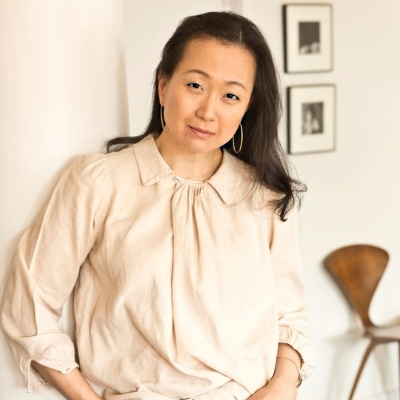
<point x="279" y="388"/>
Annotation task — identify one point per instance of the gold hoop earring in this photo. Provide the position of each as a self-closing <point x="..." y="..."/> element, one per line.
<point x="162" y="117"/>
<point x="241" y="140"/>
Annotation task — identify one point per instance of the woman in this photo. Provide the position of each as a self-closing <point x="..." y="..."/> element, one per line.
<point x="183" y="254"/>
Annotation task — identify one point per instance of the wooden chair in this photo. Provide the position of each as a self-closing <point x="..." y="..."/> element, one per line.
<point x="358" y="270"/>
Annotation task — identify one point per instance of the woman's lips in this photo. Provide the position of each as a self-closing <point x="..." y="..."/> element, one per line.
<point x="201" y="132"/>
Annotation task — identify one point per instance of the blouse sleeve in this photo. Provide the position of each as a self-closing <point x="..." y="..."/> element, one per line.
<point x="46" y="266"/>
<point x="285" y="253"/>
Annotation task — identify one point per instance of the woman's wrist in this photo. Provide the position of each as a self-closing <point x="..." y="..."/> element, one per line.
<point x="288" y="378"/>
<point x="288" y="365"/>
<point x="295" y="367"/>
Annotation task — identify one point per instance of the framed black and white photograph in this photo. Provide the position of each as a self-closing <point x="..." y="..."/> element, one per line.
<point x="311" y="118"/>
<point x="307" y="30"/>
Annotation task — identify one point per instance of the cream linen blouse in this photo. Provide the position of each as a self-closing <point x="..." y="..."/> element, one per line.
<point x="183" y="289"/>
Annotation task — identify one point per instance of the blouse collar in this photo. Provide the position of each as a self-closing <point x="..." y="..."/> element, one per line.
<point x="153" y="168"/>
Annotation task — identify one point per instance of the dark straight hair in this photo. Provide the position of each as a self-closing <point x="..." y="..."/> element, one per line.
<point x="261" y="147"/>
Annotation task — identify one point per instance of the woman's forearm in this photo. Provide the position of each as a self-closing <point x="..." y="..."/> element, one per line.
<point x="73" y="386"/>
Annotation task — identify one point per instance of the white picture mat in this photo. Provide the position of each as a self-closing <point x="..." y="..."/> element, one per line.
<point x="324" y="141"/>
<point x="308" y="62"/>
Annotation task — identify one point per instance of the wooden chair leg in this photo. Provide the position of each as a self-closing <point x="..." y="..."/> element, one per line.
<point x="360" y="369"/>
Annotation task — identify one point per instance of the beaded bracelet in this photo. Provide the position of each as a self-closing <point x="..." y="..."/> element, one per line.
<point x="300" y="379"/>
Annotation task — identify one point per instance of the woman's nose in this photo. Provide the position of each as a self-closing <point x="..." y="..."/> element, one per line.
<point x="207" y="108"/>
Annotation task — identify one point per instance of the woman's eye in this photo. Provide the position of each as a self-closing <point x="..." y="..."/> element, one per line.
<point x="194" y="85"/>
<point x="231" y="96"/>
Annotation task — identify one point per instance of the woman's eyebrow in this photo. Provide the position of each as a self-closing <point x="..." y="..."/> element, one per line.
<point x="197" y="71"/>
<point x="206" y="75"/>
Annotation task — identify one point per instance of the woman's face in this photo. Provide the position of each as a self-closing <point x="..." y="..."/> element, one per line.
<point x="206" y="97"/>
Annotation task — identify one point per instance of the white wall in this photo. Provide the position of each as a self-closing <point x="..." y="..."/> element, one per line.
<point x="63" y="93"/>
<point x="62" y="77"/>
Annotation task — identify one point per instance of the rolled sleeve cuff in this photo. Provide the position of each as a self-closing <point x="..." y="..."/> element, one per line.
<point x="60" y="357"/>
<point x="302" y="344"/>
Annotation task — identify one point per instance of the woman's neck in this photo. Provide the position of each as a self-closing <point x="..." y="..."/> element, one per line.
<point x="187" y="165"/>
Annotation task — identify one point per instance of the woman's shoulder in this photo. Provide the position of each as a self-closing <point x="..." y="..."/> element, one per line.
<point x="94" y="167"/>
<point x="93" y="161"/>
<point x="250" y="188"/>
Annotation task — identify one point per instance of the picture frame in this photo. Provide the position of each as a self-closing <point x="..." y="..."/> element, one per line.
<point x="308" y="38"/>
<point x="311" y="118"/>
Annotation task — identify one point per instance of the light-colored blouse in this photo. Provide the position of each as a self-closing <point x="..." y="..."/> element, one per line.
<point x="183" y="289"/>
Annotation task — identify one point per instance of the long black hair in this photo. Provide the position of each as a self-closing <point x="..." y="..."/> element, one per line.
<point x="261" y="147"/>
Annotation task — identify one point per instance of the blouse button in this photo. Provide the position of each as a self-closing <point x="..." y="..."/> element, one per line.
<point x="176" y="179"/>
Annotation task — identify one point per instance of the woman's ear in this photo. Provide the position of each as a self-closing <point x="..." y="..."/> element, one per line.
<point x="162" y="83"/>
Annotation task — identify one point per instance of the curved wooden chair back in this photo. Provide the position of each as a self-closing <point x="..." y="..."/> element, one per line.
<point x="358" y="270"/>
